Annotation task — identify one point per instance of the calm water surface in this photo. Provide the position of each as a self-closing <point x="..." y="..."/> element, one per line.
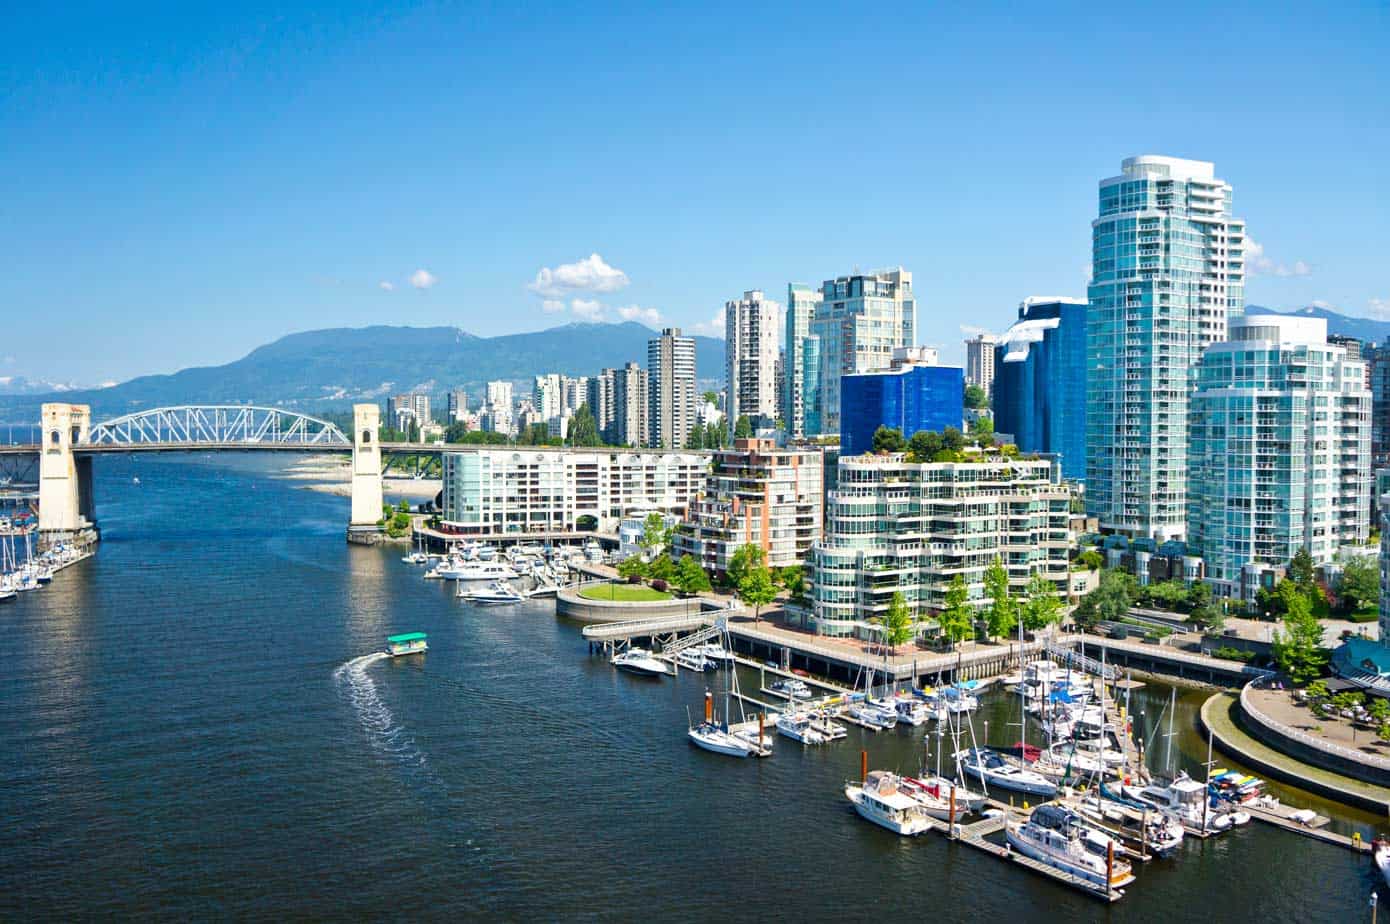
<point x="195" y="725"/>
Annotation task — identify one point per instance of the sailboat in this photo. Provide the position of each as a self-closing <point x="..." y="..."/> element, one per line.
<point x="719" y="737"/>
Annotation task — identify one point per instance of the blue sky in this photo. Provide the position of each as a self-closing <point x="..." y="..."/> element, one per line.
<point x="183" y="185"/>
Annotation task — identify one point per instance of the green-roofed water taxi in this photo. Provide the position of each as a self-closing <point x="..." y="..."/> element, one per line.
<point x="408" y="644"/>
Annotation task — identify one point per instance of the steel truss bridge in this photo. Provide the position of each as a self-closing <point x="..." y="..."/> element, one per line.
<point x="225" y="426"/>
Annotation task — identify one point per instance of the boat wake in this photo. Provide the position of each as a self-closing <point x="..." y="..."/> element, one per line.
<point x="384" y="735"/>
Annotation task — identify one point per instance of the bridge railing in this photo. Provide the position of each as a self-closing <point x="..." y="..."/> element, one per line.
<point x="249" y="425"/>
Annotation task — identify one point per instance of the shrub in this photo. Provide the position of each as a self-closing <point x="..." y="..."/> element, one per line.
<point x="634" y="578"/>
<point x="660" y="585"/>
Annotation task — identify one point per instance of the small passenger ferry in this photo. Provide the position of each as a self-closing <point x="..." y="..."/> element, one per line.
<point x="408" y="644"/>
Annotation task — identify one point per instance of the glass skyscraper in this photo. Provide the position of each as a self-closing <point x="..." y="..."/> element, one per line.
<point x="802" y="387"/>
<point x="1040" y="381"/>
<point x="911" y="396"/>
<point x="1167" y="271"/>
<point x="1280" y="453"/>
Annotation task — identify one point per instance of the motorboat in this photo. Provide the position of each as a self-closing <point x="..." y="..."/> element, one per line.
<point x="1162" y="834"/>
<point x="462" y="570"/>
<point x="1061" y="818"/>
<point x="497" y="592"/>
<point x="800" y="727"/>
<point x="880" y="799"/>
<point x="714" y="652"/>
<point x="1064" y="847"/>
<point x="1184" y="798"/>
<point x="791" y="688"/>
<point x="872" y="715"/>
<point x="935" y="795"/>
<point x="408" y="643"/>
<point x="416" y="558"/>
<point x="913" y="711"/>
<point x="692" y="660"/>
<point x="1380" y="853"/>
<point x="992" y="769"/>
<point x="640" y="661"/>
<point x="1236" y="788"/>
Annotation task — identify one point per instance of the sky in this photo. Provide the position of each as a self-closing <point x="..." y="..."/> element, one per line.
<point x="184" y="182"/>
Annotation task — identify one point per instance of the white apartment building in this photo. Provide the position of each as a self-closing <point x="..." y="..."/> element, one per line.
<point x="671" y="389"/>
<point x="897" y="526"/>
<point x="750" y="358"/>
<point x="533" y="490"/>
<point x="979" y="361"/>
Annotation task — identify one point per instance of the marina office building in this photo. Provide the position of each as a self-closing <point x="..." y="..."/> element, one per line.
<point x="755" y="494"/>
<point x="490" y="491"/>
<point x="899" y="526"/>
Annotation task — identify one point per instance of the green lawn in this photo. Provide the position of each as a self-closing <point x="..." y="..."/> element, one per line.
<point x="632" y="593"/>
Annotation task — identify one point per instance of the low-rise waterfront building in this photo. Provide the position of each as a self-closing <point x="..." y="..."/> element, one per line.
<point x="489" y="491"/>
<point x="755" y="494"/>
<point x="893" y="525"/>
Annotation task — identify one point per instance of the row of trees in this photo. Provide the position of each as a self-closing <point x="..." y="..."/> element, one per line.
<point x="946" y="446"/>
<point x="1037" y="610"/>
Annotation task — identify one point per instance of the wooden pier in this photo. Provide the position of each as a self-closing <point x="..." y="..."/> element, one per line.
<point x="974" y="835"/>
<point x="1316" y="829"/>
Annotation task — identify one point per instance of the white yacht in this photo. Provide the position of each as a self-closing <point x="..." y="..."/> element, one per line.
<point x="692" y="660"/>
<point x="792" y="688"/>
<point x="1185" y="799"/>
<point x="880" y="800"/>
<point x="873" y="716"/>
<point x="1064" y="847"/>
<point x="714" y="652"/>
<point x="992" y="769"/>
<point x="823" y="722"/>
<point x="718" y="739"/>
<point x="801" y="727"/>
<point x="495" y="593"/>
<point x="1380" y="853"/>
<point x="913" y="711"/>
<point x="641" y="662"/>
<point x="460" y="570"/>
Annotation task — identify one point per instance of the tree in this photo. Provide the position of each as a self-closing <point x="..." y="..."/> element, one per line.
<point x="1114" y="596"/>
<point x="743" y="427"/>
<point x="662" y="568"/>
<point x="711" y="397"/>
<point x="656" y="535"/>
<point x="793" y="578"/>
<point x="632" y="566"/>
<point x="897" y="622"/>
<point x="976" y="397"/>
<point x="953" y="439"/>
<point x="403" y="505"/>
<point x="1379" y="710"/>
<point x="888" y="439"/>
<point x="755" y="586"/>
<point x="1091" y="559"/>
<point x="1301" y="570"/>
<point x="1042" y="608"/>
<point x="455" y="432"/>
<point x="1003" y="608"/>
<point x="983" y="431"/>
<point x="583" y="429"/>
<point x="746" y="558"/>
<point x="696" y="438"/>
<point x="1359" y="587"/>
<point x="924" y="445"/>
<point x="958" y="617"/>
<point x="1317" y="690"/>
<point x="1298" y="648"/>
<point x="690" y="577"/>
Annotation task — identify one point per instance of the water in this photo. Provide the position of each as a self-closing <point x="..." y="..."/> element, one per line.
<point x="196" y="724"/>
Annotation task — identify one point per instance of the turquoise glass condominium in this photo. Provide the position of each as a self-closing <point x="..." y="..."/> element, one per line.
<point x="1167" y="272"/>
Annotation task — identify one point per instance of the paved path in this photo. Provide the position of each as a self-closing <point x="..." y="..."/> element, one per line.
<point x="1216" y="716"/>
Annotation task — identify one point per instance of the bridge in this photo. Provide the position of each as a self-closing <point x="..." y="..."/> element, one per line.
<point x="61" y="464"/>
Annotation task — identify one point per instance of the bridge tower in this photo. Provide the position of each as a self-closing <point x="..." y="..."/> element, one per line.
<point x="65" y="480"/>
<point x="366" y="467"/>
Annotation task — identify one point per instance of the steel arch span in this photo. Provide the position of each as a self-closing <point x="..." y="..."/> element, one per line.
<point x="224" y="425"/>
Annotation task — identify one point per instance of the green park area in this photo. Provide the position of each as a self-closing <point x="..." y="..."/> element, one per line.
<point x="628" y="593"/>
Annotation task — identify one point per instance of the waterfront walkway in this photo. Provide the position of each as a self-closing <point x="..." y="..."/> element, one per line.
<point x="1218" y="718"/>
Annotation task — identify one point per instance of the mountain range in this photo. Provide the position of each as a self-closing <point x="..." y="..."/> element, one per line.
<point x="1367" y="330"/>
<point x="330" y="369"/>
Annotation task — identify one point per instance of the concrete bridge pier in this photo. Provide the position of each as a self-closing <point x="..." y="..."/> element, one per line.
<point x="65" y="480"/>
<point x="366" y="473"/>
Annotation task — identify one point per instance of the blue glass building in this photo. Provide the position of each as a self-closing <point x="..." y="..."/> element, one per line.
<point x="908" y="397"/>
<point x="1040" y="381"/>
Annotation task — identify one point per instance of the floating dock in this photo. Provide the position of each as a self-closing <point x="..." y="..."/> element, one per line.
<point x="974" y="835"/>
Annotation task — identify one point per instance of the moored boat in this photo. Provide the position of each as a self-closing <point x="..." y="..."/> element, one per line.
<point x="880" y="800"/>
<point x="992" y="769"/>
<point x="641" y="662"/>
<point x="800" y="727"/>
<point x="1380" y="853"/>
<point x="1064" y="848"/>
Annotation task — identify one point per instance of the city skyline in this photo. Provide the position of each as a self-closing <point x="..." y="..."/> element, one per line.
<point x="248" y="188"/>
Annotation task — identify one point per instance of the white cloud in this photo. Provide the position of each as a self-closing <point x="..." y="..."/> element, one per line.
<point x="386" y="286"/>
<point x="1260" y="265"/>
<point x="714" y="327"/>
<point x="587" y="308"/>
<point x="1379" y="308"/>
<point x="1320" y="303"/>
<point x="589" y="275"/>
<point x="649" y="316"/>
<point x="423" y="279"/>
<point x="552" y="305"/>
